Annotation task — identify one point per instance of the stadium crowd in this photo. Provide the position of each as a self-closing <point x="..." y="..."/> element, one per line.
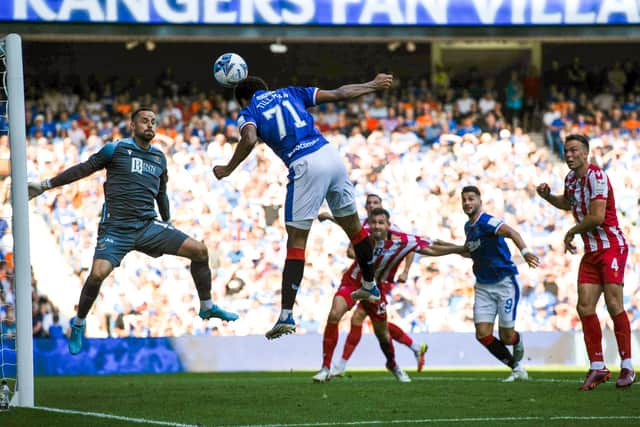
<point x="416" y="147"/>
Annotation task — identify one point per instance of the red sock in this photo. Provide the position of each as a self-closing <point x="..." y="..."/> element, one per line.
<point x="399" y="335"/>
<point x="515" y="339"/>
<point x="593" y="337"/>
<point x="329" y="343"/>
<point x="622" y="329"/>
<point x="352" y="341"/>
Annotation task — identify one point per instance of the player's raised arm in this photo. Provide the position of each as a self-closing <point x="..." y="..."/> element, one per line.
<point x="509" y="232"/>
<point x="248" y="140"/>
<point x="96" y="162"/>
<point x="380" y="82"/>
<point x="557" y="200"/>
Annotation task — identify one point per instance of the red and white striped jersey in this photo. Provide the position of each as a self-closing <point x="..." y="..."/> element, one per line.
<point x="387" y="255"/>
<point x="595" y="185"/>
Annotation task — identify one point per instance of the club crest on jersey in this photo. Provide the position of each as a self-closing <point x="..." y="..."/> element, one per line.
<point x="140" y="166"/>
<point x="473" y="245"/>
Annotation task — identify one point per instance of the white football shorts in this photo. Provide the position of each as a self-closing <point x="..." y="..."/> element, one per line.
<point x="497" y="299"/>
<point x="312" y="179"/>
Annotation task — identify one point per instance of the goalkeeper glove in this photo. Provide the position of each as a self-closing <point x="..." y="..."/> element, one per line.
<point x="37" y="188"/>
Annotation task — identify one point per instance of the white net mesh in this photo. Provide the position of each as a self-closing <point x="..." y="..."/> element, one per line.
<point x="7" y="291"/>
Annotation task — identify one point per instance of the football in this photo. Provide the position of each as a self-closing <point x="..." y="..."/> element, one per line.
<point x="230" y="69"/>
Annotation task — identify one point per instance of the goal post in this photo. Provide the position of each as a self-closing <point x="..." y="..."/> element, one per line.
<point x="14" y="91"/>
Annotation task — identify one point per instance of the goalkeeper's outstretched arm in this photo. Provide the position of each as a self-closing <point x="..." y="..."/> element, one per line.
<point x="96" y="162"/>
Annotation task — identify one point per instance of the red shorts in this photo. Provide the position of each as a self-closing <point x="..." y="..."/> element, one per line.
<point x="377" y="311"/>
<point x="604" y="266"/>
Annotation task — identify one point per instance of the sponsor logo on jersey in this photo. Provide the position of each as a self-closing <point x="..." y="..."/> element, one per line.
<point x="302" y="146"/>
<point x="140" y="166"/>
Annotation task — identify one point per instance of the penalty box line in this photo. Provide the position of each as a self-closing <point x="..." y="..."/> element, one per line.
<point x="113" y="417"/>
<point x="344" y="423"/>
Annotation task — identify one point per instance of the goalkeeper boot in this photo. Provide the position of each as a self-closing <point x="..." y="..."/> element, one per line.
<point x="219" y="313"/>
<point x="282" y="327"/>
<point x="75" y="340"/>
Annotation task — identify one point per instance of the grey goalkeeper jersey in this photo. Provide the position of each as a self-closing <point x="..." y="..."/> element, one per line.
<point x="136" y="178"/>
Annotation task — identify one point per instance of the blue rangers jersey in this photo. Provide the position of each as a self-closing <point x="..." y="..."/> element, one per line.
<point x="283" y="122"/>
<point x="489" y="252"/>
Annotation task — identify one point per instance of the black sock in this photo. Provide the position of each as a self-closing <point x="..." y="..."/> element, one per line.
<point x="364" y="254"/>
<point x="291" y="278"/>
<point x="389" y="352"/>
<point x="201" y="274"/>
<point x="88" y="296"/>
<point x="499" y="350"/>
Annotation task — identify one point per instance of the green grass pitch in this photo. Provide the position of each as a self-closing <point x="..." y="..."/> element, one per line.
<point x="287" y="399"/>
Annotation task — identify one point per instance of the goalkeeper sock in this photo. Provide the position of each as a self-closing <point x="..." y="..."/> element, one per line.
<point x="201" y="274"/>
<point x="206" y="304"/>
<point x="88" y="295"/>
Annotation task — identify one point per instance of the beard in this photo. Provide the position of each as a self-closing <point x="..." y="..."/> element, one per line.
<point x="146" y="135"/>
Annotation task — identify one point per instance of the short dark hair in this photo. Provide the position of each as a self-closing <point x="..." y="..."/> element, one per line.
<point x="246" y="88"/>
<point x="470" y="189"/>
<point x="380" y="211"/>
<point x="139" y="110"/>
<point x="584" y="140"/>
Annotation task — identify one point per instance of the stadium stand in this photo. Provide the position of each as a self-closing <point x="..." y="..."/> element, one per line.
<point x="417" y="148"/>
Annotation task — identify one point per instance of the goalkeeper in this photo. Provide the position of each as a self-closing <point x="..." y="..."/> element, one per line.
<point x="136" y="180"/>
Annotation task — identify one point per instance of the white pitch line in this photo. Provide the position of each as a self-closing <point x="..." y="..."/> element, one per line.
<point x="463" y="379"/>
<point x="114" y="417"/>
<point x="343" y="423"/>
<point x="443" y="420"/>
